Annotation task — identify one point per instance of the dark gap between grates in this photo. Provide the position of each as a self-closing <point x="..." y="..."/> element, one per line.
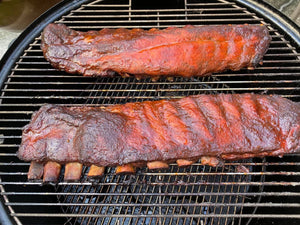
<point x="163" y="194"/>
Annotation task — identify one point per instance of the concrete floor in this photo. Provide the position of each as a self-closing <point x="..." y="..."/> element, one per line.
<point x="6" y="37"/>
<point x="33" y="8"/>
<point x="16" y="15"/>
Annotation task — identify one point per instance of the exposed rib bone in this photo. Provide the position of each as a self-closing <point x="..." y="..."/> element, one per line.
<point x="211" y="161"/>
<point x="35" y="171"/>
<point x="96" y="171"/>
<point x="157" y="165"/>
<point x="125" y="169"/>
<point x="51" y="172"/>
<point x="184" y="162"/>
<point x="73" y="171"/>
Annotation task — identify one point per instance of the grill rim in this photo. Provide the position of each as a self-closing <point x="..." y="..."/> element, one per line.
<point x="4" y="219"/>
<point x="17" y="48"/>
<point x="277" y="17"/>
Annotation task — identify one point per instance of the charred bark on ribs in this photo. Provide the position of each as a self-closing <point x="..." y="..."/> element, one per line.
<point x="155" y="133"/>
<point x="188" y="51"/>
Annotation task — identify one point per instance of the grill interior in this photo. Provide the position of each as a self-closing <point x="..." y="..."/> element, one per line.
<point x="256" y="191"/>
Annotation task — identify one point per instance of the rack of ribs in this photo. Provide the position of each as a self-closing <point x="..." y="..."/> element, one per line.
<point x="188" y="51"/>
<point x="210" y="128"/>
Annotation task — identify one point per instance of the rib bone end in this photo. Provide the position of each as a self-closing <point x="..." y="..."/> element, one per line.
<point x="51" y="172"/>
<point x="36" y="171"/>
<point x="157" y="165"/>
<point x="73" y="171"/>
<point x="211" y="161"/>
<point x="96" y="171"/>
<point x="184" y="162"/>
<point x="125" y="169"/>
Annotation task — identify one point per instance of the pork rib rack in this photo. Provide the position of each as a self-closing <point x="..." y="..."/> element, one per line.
<point x="155" y="133"/>
<point x="188" y="51"/>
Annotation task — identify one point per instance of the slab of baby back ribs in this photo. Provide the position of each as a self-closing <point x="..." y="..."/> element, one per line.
<point x="155" y="133"/>
<point x="188" y="51"/>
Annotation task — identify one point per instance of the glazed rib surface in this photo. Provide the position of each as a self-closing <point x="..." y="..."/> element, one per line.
<point x="225" y="126"/>
<point x="188" y="51"/>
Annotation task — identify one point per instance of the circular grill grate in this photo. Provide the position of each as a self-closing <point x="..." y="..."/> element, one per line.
<point x="159" y="197"/>
<point x="194" y="195"/>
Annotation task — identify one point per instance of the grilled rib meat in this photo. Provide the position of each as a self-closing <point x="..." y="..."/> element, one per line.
<point x="221" y="126"/>
<point x="189" y="51"/>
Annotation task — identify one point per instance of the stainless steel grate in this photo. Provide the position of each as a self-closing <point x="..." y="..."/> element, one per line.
<point x="258" y="191"/>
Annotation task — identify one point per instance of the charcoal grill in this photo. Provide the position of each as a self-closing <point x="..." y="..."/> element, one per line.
<point x="256" y="191"/>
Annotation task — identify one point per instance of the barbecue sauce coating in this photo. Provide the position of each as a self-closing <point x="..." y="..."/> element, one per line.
<point x="225" y="126"/>
<point x="188" y="51"/>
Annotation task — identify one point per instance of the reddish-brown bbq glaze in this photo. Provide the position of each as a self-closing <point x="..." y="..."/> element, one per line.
<point x="188" y="51"/>
<point x="224" y="126"/>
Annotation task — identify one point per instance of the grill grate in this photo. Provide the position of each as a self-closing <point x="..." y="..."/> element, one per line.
<point x="258" y="191"/>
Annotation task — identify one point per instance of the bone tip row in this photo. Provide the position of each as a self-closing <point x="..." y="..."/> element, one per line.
<point x="50" y="171"/>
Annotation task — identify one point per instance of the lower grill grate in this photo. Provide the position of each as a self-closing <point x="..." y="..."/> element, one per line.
<point x="257" y="191"/>
<point x="154" y="198"/>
